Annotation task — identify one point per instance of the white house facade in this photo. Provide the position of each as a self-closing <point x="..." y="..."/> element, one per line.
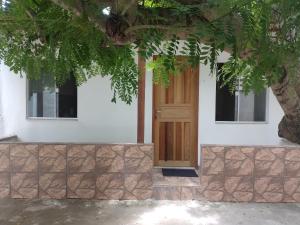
<point x="98" y="120"/>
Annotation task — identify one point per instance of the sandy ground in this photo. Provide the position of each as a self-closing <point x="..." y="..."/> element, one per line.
<point x="79" y="212"/>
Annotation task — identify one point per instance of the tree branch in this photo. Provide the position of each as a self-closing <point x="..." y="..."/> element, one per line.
<point x="143" y="27"/>
<point x="127" y="7"/>
<point x="66" y="7"/>
<point x="98" y="23"/>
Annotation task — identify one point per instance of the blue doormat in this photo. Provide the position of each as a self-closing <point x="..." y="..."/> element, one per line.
<point x="179" y="172"/>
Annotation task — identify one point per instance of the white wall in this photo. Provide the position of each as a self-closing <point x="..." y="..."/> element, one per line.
<point x="1" y="118"/>
<point x="211" y="132"/>
<point x="232" y="133"/>
<point x="99" y="120"/>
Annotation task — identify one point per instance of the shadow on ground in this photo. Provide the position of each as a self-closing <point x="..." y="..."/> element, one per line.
<point x="79" y="212"/>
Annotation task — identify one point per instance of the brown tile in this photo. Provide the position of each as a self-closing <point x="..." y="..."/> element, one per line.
<point x="270" y="197"/>
<point x="4" y="185"/>
<point x="213" y="167"/>
<point x="147" y="149"/>
<point x="143" y="165"/>
<point x="52" y="158"/>
<point x="270" y="154"/>
<point x="292" y="189"/>
<point x="270" y="184"/>
<point x="110" y="194"/>
<point x="110" y="151"/>
<point x="24" y="158"/>
<point x="292" y="169"/>
<point x="4" y="158"/>
<point x="110" y="165"/>
<point x="52" y="186"/>
<point x="160" y="180"/>
<point x="269" y="168"/>
<point x="137" y="160"/>
<point x="110" y="159"/>
<point x="212" y="152"/>
<point x="239" y="167"/>
<point x="213" y="161"/>
<point x="239" y="161"/>
<point x="239" y="189"/>
<point x="138" y="181"/>
<point x="293" y="155"/>
<point x="190" y="193"/>
<point x="215" y="183"/>
<point x="24" y="185"/>
<point x="268" y="189"/>
<point x="138" y="151"/>
<point x="134" y="152"/>
<point x="212" y="187"/>
<point x="81" y="185"/>
<point x="81" y="158"/>
<point x="142" y="194"/>
<point x="214" y="196"/>
<point x="292" y="162"/>
<point x="239" y="153"/>
<point x="109" y="181"/>
<point x="269" y="162"/>
<point x="138" y="194"/>
<point x="110" y="186"/>
<point x="166" y="193"/>
<point x="4" y="193"/>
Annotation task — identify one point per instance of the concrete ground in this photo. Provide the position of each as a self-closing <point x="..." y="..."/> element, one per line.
<point x="79" y="212"/>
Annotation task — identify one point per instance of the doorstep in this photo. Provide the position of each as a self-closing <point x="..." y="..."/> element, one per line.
<point x="175" y="188"/>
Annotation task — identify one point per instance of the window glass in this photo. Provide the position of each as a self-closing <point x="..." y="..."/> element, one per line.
<point x="45" y="99"/>
<point x="237" y="106"/>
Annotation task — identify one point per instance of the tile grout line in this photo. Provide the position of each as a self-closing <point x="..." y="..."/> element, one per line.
<point x="67" y="169"/>
<point x="254" y="175"/>
<point x="283" y="175"/>
<point x="38" y="171"/>
<point x="224" y="173"/>
<point x="95" y="172"/>
<point x="10" y="171"/>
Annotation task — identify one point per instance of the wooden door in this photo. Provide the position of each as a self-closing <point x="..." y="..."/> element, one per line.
<point x="175" y="120"/>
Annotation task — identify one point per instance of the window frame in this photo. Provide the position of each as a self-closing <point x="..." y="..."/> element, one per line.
<point x="27" y="117"/>
<point x="240" y="122"/>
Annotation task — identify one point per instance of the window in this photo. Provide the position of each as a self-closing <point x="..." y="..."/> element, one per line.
<point x="45" y="99"/>
<point x="239" y="107"/>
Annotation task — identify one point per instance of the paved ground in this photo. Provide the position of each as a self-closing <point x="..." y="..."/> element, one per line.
<point x="77" y="212"/>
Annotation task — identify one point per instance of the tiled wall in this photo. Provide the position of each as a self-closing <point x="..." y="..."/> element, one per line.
<point x="250" y="174"/>
<point x="59" y="171"/>
<point x="227" y="173"/>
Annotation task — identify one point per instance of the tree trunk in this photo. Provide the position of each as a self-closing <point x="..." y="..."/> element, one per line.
<point x="287" y="92"/>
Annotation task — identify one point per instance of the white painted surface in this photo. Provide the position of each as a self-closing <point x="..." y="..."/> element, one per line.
<point x="211" y="132"/>
<point x="99" y="120"/>
<point x="1" y="117"/>
<point x="229" y="133"/>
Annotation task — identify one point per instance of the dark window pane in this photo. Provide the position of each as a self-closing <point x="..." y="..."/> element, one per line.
<point x="67" y="99"/>
<point x="225" y="102"/>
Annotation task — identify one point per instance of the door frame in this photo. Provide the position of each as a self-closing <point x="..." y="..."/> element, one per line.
<point x="195" y="154"/>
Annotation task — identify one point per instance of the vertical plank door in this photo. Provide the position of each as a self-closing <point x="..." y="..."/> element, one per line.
<point x="175" y="119"/>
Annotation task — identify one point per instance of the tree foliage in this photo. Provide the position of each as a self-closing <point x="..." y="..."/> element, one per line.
<point x="63" y="36"/>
